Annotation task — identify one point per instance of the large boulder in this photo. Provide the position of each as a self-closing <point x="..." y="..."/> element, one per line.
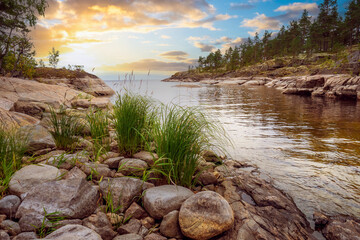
<point x="31" y="176"/>
<point x="132" y="166"/>
<point x="122" y="191"/>
<point x="72" y="231"/>
<point x="73" y="198"/>
<point x="205" y="215"/>
<point x="97" y="102"/>
<point x="11" y="119"/>
<point x="39" y="138"/>
<point x="159" y="201"/>
<point x="92" y="85"/>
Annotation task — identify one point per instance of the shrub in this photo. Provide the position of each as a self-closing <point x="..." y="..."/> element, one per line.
<point x="64" y="128"/>
<point x="133" y="116"/>
<point x="180" y="136"/>
<point x="13" y="145"/>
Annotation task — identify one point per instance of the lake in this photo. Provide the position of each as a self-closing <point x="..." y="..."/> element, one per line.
<point x="310" y="147"/>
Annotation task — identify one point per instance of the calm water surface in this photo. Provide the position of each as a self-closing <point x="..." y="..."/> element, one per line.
<point x="310" y="147"/>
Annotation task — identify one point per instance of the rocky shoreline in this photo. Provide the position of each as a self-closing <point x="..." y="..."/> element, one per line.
<point x="230" y="200"/>
<point x="341" y="86"/>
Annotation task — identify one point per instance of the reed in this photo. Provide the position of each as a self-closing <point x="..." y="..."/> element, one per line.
<point x="134" y="116"/>
<point x="13" y="145"/>
<point x="180" y="136"/>
<point x="64" y="128"/>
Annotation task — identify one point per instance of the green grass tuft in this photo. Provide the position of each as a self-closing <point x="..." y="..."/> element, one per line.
<point x="180" y="136"/>
<point x="64" y="128"/>
<point x="13" y="145"/>
<point x="134" y="115"/>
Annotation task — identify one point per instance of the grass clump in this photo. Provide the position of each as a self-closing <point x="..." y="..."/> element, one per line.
<point x="98" y="121"/>
<point x="181" y="135"/>
<point x="133" y="117"/>
<point x="64" y="128"/>
<point x="13" y="145"/>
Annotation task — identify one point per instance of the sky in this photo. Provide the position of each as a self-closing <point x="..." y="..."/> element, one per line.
<point x="155" y="38"/>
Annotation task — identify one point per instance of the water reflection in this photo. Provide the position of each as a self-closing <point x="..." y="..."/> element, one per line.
<point x="310" y="146"/>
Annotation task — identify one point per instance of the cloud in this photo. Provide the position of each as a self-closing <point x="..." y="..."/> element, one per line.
<point x="232" y="43"/>
<point x="175" y="55"/>
<point x="241" y="6"/>
<point x="145" y="65"/>
<point x="293" y="11"/>
<point x="222" y="40"/>
<point x="192" y="39"/>
<point x="208" y="22"/>
<point x="262" y="22"/>
<point x="165" y="37"/>
<point x="297" y="7"/>
<point x="204" y="47"/>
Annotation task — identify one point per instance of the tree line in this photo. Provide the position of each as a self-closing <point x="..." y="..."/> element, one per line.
<point x="327" y="33"/>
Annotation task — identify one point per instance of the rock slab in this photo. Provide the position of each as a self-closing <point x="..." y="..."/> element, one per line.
<point x="72" y="231"/>
<point x="73" y="198"/>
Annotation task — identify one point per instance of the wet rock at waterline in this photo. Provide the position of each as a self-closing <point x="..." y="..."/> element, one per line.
<point x="123" y="191"/>
<point x="31" y="176"/>
<point x="205" y="215"/>
<point x="73" y="198"/>
<point x="159" y="201"/>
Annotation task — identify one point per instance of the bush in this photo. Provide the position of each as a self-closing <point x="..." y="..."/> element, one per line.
<point x="134" y="116"/>
<point x="13" y="145"/>
<point x="180" y="136"/>
<point x="64" y="128"/>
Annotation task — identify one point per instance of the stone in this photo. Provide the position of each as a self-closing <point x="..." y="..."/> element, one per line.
<point x="31" y="176"/>
<point x="96" y="170"/>
<point x="143" y="231"/>
<point x="48" y="155"/>
<point x="13" y="120"/>
<point x="5" y="236"/>
<point x="205" y="215"/>
<point x="74" y="173"/>
<point x="26" y="236"/>
<point x="108" y="155"/>
<point x="9" y="205"/>
<point x="73" y="198"/>
<point x="154" y="236"/>
<point x="207" y="178"/>
<point x="135" y="211"/>
<point x="148" y="222"/>
<point x="68" y="222"/>
<point x="338" y="227"/>
<point x="130" y="236"/>
<point x="92" y="85"/>
<point x="39" y="138"/>
<point x="71" y="231"/>
<point x="133" y="226"/>
<point x="211" y="156"/>
<point x="31" y="222"/>
<point x="123" y="190"/>
<point x="148" y="157"/>
<point x="159" y="201"/>
<point x="132" y="166"/>
<point x="169" y="226"/>
<point x="93" y="102"/>
<point x="100" y="224"/>
<point x="11" y="227"/>
<point x="113" y="162"/>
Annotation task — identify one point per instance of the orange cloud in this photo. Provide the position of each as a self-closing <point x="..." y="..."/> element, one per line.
<point x="175" y="55"/>
<point x="145" y="65"/>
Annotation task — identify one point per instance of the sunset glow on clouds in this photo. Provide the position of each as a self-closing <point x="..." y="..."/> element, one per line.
<point x="162" y="36"/>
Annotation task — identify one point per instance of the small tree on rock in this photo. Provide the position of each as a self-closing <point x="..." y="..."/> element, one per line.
<point x="53" y="57"/>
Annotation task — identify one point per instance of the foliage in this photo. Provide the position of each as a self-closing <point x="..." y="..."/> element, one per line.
<point x="64" y="128"/>
<point x="98" y="121"/>
<point x="17" y="16"/>
<point x="53" y="57"/>
<point x="49" y="224"/>
<point x="326" y="33"/>
<point x="180" y="136"/>
<point x="133" y="117"/>
<point x="13" y="145"/>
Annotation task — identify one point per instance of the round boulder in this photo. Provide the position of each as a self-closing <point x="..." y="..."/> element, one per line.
<point x="205" y="215"/>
